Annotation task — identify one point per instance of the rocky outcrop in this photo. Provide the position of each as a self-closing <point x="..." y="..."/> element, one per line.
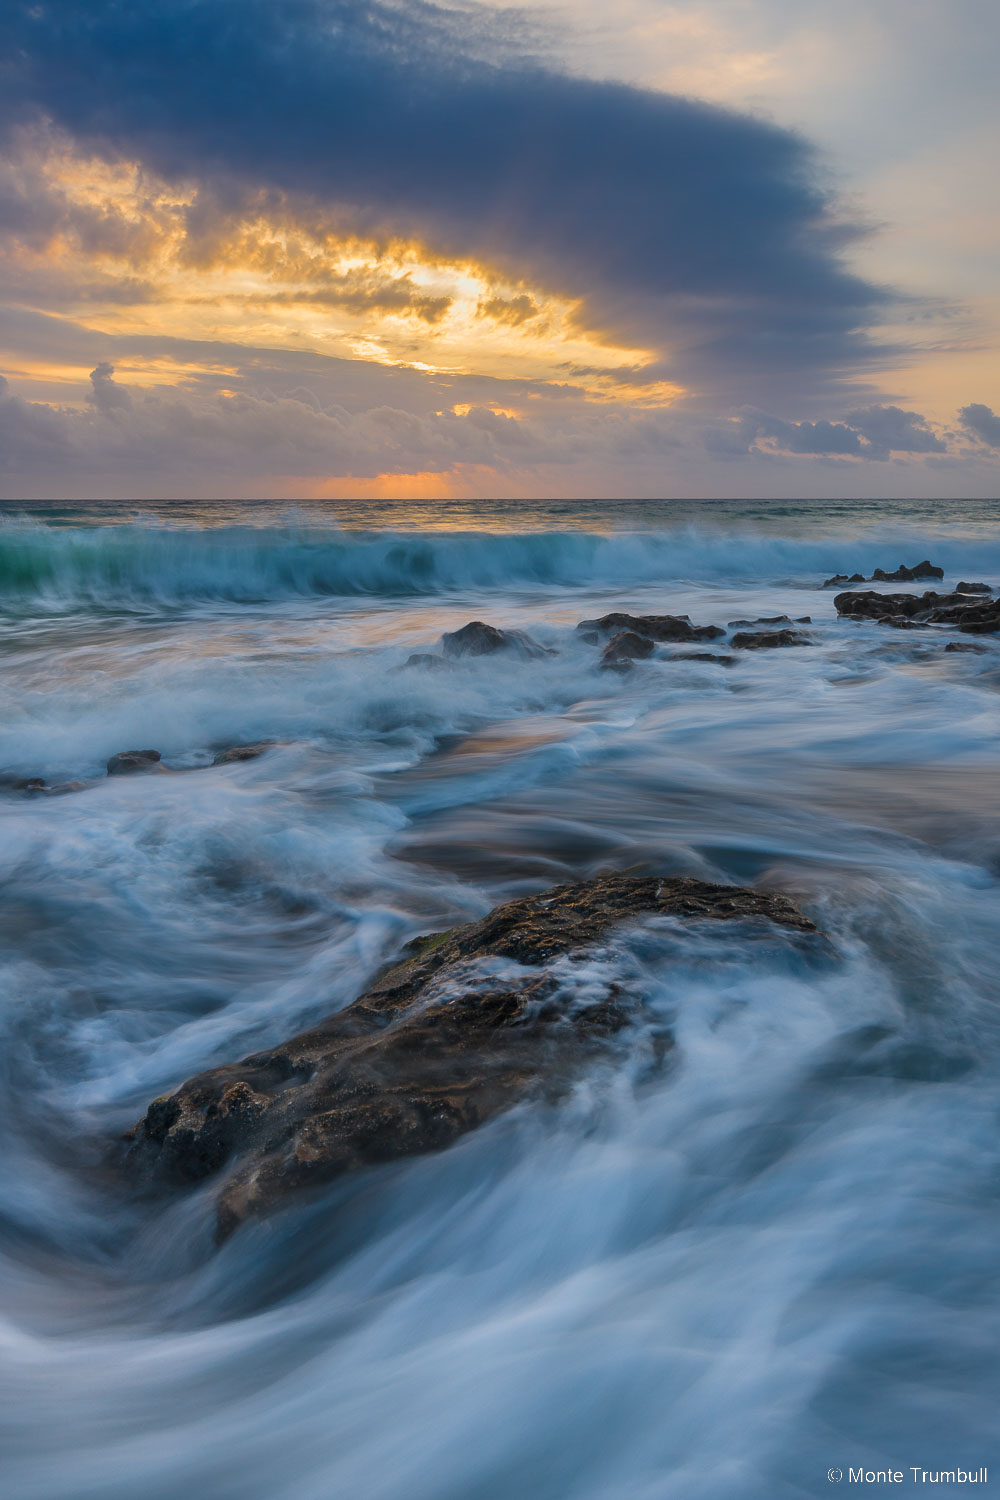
<point x="973" y="588"/>
<point x="653" y="627"/>
<point x="966" y="612"/>
<point x="471" y="1021"/>
<point x="479" y="639"/>
<point x="757" y="640"/>
<point x="134" y="762"/>
<point x="902" y="574"/>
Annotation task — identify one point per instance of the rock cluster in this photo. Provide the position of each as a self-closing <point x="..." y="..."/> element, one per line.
<point x="471" y="1021"/>
<point x="969" y="613"/>
<point x="902" y="574"/>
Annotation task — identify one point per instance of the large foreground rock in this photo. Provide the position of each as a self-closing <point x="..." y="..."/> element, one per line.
<point x="474" y="1020"/>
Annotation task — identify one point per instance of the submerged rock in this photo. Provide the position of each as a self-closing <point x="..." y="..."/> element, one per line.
<point x="756" y="640"/>
<point x="762" y="620"/>
<point x="654" y="627"/>
<point x="479" y="639"/>
<point x="236" y="753"/>
<point x="973" y="588"/>
<point x="839" y="578"/>
<point x="719" y="658"/>
<point x="427" y="661"/>
<point x="471" y="1021"/>
<point x="134" y="762"/>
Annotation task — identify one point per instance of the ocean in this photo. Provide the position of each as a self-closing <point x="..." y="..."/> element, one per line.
<point x="718" y="1280"/>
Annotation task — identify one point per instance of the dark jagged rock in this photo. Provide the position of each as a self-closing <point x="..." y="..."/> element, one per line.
<point x="803" y="619"/>
<point x="756" y="640"/>
<point x="903" y="574"/>
<point x="626" y="646"/>
<point x="236" y="753"/>
<point x="655" y="627"/>
<point x="479" y="639"/>
<point x="973" y="588"/>
<point x="471" y="1021"/>
<point x="964" y="646"/>
<point x="134" y="762"/>
<point x="982" y="618"/>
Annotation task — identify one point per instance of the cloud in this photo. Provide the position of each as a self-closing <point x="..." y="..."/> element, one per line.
<point x="982" y="422"/>
<point x="701" y="233"/>
<point x="873" y="433"/>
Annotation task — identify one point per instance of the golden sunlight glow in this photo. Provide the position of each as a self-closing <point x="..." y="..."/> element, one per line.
<point x="164" y="264"/>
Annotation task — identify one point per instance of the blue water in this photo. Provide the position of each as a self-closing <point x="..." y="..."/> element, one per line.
<point x="716" y="1282"/>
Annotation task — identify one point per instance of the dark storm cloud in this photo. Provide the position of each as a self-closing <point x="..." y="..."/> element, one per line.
<point x="876" y="433"/>
<point x="699" y="231"/>
<point x="982" y="422"/>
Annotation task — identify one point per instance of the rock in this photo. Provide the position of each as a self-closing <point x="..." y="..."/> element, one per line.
<point x="755" y="640"/>
<point x="903" y="574"/>
<point x="925" y="609"/>
<point x="763" y="620"/>
<point x="237" y="753"/>
<point x="964" y="646"/>
<point x="133" y="762"/>
<point x="721" y="660"/>
<point x="803" y="619"/>
<point x="427" y="661"/>
<point x="626" y="646"/>
<point x="480" y="639"/>
<point x="471" y="1021"/>
<point x="31" y="784"/>
<point x="655" y="627"/>
<point x="973" y="588"/>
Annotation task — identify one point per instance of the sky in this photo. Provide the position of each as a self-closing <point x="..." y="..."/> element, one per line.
<point x="323" y="248"/>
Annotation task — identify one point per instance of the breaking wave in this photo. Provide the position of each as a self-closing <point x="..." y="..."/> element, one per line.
<point x="142" y="566"/>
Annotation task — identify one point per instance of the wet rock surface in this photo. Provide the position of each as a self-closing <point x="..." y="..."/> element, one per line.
<point x="720" y="658"/>
<point x="653" y="627"/>
<point x="425" y="661"/>
<point x="758" y="640"/>
<point x="626" y="646"/>
<point x="471" y="1021"/>
<point x="966" y="612"/>
<point x="233" y="754"/>
<point x="134" y="763"/>
<point x="479" y="639"/>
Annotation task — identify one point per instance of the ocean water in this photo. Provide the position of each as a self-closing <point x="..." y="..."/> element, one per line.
<point x="719" y="1281"/>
